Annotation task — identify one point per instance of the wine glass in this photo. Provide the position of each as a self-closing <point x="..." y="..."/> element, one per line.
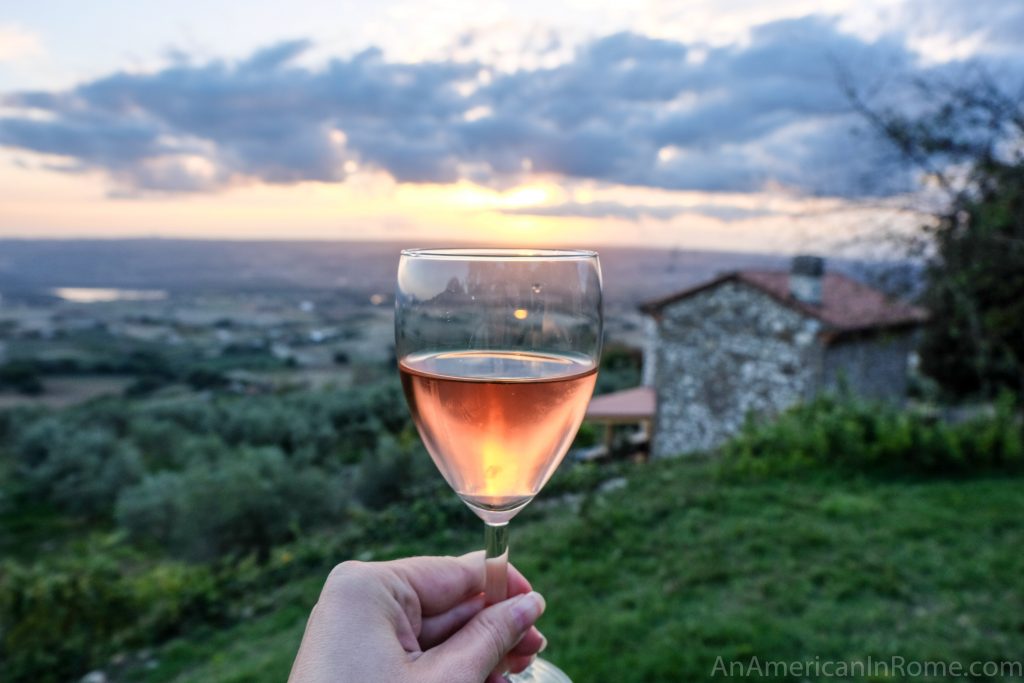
<point x="498" y="351"/>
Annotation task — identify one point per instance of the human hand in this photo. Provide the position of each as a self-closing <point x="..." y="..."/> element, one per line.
<point x="417" y="620"/>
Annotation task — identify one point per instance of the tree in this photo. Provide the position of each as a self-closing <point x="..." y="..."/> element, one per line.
<point x="23" y="376"/>
<point x="246" y="501"/>
<point x="79" y="468"/>
<point x="967" y="139"/>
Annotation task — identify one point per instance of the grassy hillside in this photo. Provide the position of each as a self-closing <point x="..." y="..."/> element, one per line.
<point x="655" y="580"/>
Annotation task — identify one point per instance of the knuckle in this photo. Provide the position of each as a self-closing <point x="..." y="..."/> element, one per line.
<point x="405" y="595"/>
<point x="346" y="573"/>
<point x="347" y="568"/>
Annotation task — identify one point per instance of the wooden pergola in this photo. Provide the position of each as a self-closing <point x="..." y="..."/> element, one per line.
<point x="630" y="406"/>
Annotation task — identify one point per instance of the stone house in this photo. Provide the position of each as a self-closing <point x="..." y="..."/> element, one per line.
<point x="757" y="342"/>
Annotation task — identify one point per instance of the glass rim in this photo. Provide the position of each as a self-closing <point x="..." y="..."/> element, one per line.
<point x="499" y="254"/>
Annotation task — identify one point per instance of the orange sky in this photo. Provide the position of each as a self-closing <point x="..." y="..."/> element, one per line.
<point x="35" y="202"/>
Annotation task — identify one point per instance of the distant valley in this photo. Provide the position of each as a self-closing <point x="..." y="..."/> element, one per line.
<point x="182" y="266"/>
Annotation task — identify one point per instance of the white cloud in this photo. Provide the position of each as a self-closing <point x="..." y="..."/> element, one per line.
<point x="18" y="43"/>
<point x="761" y="111"/>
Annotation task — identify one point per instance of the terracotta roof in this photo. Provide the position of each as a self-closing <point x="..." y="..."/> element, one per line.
<point x="636" y="403"/>
<point x="847" y="306"/>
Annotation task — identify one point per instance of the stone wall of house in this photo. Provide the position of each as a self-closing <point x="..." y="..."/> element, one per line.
<point x="649" y="370"/>
<point x="874" y="367"/>
<point x="724" y="353"/>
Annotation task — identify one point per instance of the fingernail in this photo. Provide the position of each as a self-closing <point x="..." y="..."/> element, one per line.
<point x="543" y="643"/>
<point x="527" y="609"/>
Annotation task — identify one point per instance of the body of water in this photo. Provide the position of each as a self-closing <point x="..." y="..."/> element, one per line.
<point x="92" y="295"/>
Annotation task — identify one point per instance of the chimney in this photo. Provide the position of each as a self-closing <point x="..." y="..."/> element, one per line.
<point x="805" y="279"/>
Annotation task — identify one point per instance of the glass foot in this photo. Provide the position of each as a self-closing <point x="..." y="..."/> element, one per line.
<point x="541" y="671"/>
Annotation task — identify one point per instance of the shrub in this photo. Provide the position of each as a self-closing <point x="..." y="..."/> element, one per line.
<point x="81" y="470"/>
<point x="148" y="363"/>
<point x="880" y="438"/>
<point x="247" y="501"/>
<point x="160" y="442"/>
<point x="394" y="472"/>
<point x="197" y="416"/>
<point x="205" y="378"/>
<point x="358" y="417"/>
<point x="22" y="376"/>
<point x="424" y="516"/>
<point x="82" y="458"/>
<point x="10" y="418"/>
<point x="581" y="477"/>
<point x="144" y="385"/>
<point x="65" y="616"/>
<point x="620" y="369"/>
<point x="289" y="423"/>
<point x="221" y="479"/>
<point x="57" y="619"/>
<point x="586" y="436"/>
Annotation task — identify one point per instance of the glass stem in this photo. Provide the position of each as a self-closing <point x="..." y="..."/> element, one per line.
<point x="495" y="562"/>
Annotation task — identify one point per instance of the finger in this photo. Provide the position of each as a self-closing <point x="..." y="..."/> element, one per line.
<point x="531" y="644"/>
<point x="444" y="582"/>
<point x="517" y="583"/>
<point x="441" y="583"/>
<point x="439" y="627"/>
<point x="478" y="647"/>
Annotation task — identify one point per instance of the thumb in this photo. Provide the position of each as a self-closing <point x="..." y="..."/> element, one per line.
<point x="479" y="646"/>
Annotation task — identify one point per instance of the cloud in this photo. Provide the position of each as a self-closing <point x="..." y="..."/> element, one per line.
<point x="270" y="58"/>
<point x="634" y="212"/>
<point x="625" y="109"/>
<point x="17" y="43"/>
<point x="988" y="27"/>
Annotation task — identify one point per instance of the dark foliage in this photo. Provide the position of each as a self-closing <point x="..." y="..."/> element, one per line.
<point x="974" y="343"/>
<point x="620" y="369"/>
<point x="22" y="376"/>
<point x="967" y="137"/>
<point x="247" y="501"/>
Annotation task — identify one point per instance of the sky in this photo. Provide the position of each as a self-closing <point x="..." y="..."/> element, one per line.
<point x="696" y="124"/>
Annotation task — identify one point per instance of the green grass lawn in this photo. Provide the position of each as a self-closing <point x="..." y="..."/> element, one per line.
<point x="655" y="581"/>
